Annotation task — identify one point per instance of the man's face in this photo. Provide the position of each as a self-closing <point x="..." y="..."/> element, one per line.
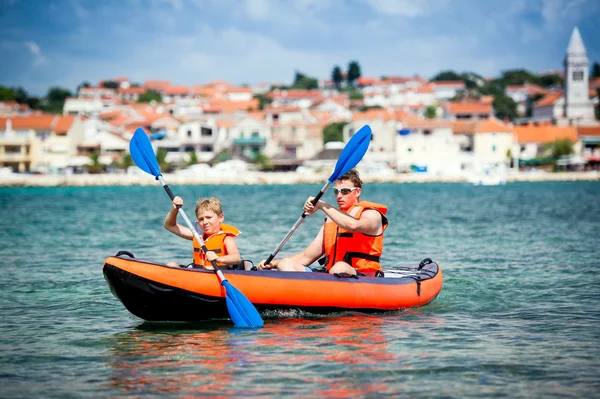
<point x="345" y="193"/>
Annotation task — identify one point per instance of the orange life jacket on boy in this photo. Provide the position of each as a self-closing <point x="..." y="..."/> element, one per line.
<point x="215" y="243"/>
<point x="359" y="250"/>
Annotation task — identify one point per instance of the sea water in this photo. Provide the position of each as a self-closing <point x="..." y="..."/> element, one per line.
<point x="518" y="315"/>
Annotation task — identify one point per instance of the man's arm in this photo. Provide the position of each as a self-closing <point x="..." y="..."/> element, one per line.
<point x="368" y="223"/>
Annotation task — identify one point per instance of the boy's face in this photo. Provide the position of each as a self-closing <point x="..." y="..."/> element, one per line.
<point x="209" y="221"/>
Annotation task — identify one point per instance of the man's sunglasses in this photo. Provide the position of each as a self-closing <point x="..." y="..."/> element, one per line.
<point x="344" y="190"/>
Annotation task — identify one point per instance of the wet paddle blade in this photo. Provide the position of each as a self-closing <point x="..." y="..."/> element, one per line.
<point x="353" y="152"/>
<point x="142" y="153"/>
<point x="241" y="310"/>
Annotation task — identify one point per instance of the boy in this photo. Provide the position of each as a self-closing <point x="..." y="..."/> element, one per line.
<point x="217" y="236"/>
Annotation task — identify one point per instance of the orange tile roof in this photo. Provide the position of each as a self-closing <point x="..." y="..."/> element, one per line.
<point x="544" y="134"/>
<point x="426" y="88"/>
<point x="589" y="130"/>
<point x="364" y="81"/>
<point x="156" y="84"/>
<point x="492" y="125"/>
<point x="464" y="127"/>
<point x="464" y="108"/>
<point x="63" y="124"/>
<point x="58" y="124"/>
<point x="226" y="107"/>
<point x="489" y="125"/>
<point x="176" y="90"/>
<point x="294" y="93"/>
<point x="35" y="122"/>
<point x="549" y="99"/>
<point x="595" y="83"/>
<point x="132" y="90"/>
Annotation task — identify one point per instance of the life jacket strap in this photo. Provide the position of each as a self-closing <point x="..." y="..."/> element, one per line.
<point x="359" y="255"/>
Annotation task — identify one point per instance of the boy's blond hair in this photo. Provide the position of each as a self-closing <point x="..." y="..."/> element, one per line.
<point x="209" y="204"/>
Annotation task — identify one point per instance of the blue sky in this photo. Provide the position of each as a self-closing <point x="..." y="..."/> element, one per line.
<point x="46" y="43"/>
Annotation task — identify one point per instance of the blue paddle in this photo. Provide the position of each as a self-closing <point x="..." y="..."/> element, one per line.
<point x="351" y="155"/>
<point x="241" y="310"/>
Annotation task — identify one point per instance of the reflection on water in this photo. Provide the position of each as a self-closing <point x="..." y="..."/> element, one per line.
<point x="322" y="357"/>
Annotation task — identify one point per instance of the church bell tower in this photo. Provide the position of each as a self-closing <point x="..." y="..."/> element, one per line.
<point x="578" y="108"/>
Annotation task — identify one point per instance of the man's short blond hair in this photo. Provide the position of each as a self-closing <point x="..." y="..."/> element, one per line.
<point x="353" y="176"/>
<point x="209" y="204"/>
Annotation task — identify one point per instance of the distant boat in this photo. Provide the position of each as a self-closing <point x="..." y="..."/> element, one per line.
<point x="487" y="178"/>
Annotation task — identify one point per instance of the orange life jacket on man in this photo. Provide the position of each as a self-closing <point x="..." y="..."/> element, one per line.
<point x="215" y="243"/>
<point x="359" y="250"/>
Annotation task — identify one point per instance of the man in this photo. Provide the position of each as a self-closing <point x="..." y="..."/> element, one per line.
<point x="351" y="237"/>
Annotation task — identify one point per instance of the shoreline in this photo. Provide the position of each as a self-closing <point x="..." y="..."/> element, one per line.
<point x="263" y="178"/>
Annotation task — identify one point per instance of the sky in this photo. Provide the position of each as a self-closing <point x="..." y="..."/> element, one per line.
<point x="46" y="43"/>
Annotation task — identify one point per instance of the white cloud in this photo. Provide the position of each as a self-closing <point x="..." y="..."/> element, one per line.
<point x="257" y="10"/>
<point x="39" y="58"/>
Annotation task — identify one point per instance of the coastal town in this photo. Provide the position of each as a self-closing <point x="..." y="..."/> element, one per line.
<point x="452" y="127"/>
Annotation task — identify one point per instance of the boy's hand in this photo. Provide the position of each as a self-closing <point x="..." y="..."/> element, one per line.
<point x="210" y="255"/>
<point x="177" y="202"/>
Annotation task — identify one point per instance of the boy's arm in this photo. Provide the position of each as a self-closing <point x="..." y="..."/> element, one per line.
<point x="233" y="254"/>
<point x="171" y="224"/>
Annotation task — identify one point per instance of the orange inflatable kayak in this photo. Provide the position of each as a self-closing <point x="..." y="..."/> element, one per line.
<point x="156" y="292"/>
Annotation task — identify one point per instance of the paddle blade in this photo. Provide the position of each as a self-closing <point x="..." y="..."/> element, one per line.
<point x="241" y="310"/>
<point x="142" y="153"/>
<point x="353" y="152"/>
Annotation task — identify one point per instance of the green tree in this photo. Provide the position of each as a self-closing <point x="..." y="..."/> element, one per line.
<point x="150" y="95"/>
<point x="192" y="158"/>
<point x="82" y="85"/>
<point x="530" y="101"/>
<point x="447" y="75"/>
<point x="560" y="148"/>
<point x="519" y="77"/>
<point x="55" y="100"/>
<point x="336" y="76"/>
<point x="110" y="84"/>
<point x="505" y="107"/>
<point x="353" y="72"/>
<point x="334" y="132"/>
<point x="551" y="80"/>
<point x="595" y="70"/>
<point x="304" y="82"/>
<point x="263" y="100"/>
<point x="262" y="161"/>
<point x="355" y="95"/>
<point x="7" y="94"/>
<point x="96" y="166"/>
<point x="431" y="112"/>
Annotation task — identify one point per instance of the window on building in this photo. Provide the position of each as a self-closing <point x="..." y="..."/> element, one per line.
<point x="189" y="133"/>
<point x="409" y="149"/>
<point x="205" y="132"/>
<point x="427" y="132"/>
<point x="493" y="148"/>
<point x="255" y="135"/>
<point x="294" y="132"/>
<point x="578" y="75"/>
<point x="206" y="148"/>
<point x="351" y="132"/>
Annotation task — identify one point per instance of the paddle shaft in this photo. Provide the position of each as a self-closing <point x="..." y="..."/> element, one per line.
<point x="191" y="227"/>
<point x="297" y="224"/>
